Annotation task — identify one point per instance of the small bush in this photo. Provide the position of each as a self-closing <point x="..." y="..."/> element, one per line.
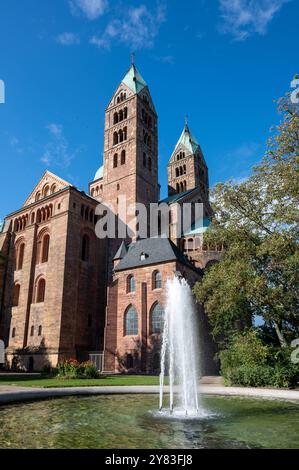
<point x="90" y="370"/>
<point x="72" y="369"/>
<point x="250" y="363"/>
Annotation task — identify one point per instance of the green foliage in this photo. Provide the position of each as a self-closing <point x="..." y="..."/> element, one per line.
<point x="257" y="223"/>
<point x="72" y="369"/>
<point x="249" y="362"/>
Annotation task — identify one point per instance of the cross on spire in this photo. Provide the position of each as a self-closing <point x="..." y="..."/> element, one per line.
<point x="186" y="121"/>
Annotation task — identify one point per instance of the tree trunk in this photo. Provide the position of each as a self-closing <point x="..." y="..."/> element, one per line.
<point x="280" y="335"/>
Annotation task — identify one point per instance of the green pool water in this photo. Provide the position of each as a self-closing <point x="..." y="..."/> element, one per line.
<point x="124" y="421"/>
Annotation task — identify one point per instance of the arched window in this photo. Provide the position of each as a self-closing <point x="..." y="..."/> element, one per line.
<point x="20" y="256"/>
<point x="46" y="191"/>
<point x="121" y="115"/>
<point x="157" y="319"/>
<point x="53" y="189"/>
<point x="157" y="280"/>
<point x="40" y="330"/>
<point x="45" y="248"/>
<point x="181" y="170"/>
<point x="177" y="172"/>
<point x="149" y="163"/>
<point x="184" y="169"/>
<point x="115" y="118"/>
<point x="125" y="133"/>
<point x="13" y="333"/>
<point x="15" y="295"/>
<point x="125" y="113"/>
<point x="185" y="185"/>
<point x="92" y="192"/>
<point x="131" y="286"/>
<point x="85" y="248"/>
<point x="131" y="321"/>
<point x="120" y="135"/>
<point x="32" y="217"/>
<point x="177" y="188"/>
<point x="182" y="187"/>
<point x="129" y="361"/>
<point x="115" y="158"/>
<point x="115" y="138"/>
<point x="32" y="331"/>
<point x="40" y="290"/>
<point x="37" y="196"/>
<point x="123" y="157"/>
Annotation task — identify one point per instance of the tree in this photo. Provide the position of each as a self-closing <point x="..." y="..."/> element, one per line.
<point x="257" y="222"/>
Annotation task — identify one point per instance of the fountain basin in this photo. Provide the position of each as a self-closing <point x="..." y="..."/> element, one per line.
<point x="132" y="421"/>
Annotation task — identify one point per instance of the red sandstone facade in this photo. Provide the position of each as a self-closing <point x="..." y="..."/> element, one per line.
<point x="64" y="292"/>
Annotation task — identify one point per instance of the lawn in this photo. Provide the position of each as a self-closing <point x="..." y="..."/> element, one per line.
<point x="50" y="382"/>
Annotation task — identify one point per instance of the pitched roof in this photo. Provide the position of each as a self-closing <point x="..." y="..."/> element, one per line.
<point x="188" y="140"/>
<point x="48" y="178"/>
<point x="121" y="252"/>
<point x="199" y="227"/>
<point x="134" y="80"/>
<point x="177" y="197"/>
<point x="151" y="251"/>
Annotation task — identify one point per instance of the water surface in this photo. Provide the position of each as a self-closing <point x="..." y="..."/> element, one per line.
<point x="124" y="421"/>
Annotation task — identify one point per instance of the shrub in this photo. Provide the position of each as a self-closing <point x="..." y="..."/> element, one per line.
<point x="72" y="369"/>
<point x="249" y="362"/>
<point x="90" y="370"/>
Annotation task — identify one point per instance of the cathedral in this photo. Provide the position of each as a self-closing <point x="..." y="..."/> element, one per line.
<point x="67" y="293"/>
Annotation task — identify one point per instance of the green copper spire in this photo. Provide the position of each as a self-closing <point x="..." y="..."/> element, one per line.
<point x="134" y="80"/>
<point x="188" y="140"/>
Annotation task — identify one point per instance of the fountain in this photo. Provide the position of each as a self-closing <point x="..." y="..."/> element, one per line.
<point x="180" y="350"/>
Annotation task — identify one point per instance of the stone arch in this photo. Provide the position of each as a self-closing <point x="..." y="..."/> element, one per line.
<point x="156" y="318"/>
<point x="16" y="294"/>
<point x="130" y="321"/>
<point x="156" y="279"/>
<point x="40" y="289"/>
<point x="131" y="283"/>
<point x="46" y="190"/>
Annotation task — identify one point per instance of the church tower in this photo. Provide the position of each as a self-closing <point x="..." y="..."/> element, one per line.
<point x="131" y="144"/>
<point x="187" y="168"/>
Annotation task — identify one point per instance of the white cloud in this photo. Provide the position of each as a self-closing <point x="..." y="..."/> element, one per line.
<point x="56" y="151"/>
<point x="54" y="129"/>
<point x="68" y="39"/>
<point x="138" y="28"/>
<point x="242" y="18"/>
<point x="92" y="9"/>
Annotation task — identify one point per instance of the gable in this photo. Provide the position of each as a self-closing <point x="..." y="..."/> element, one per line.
<point x="121" y="89"/>
<point x="48" y="184"/>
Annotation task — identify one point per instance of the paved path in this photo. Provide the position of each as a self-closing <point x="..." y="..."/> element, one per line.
<point x="9" y="394"/>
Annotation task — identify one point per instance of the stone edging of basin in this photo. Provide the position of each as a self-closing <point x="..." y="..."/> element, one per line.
<point x="14" y="395"/>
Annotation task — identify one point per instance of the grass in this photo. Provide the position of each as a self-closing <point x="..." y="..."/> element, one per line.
<point x="50" y="382"/>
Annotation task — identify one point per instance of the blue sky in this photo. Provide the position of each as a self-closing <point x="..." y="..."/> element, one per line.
<point x="222" y="62"/>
